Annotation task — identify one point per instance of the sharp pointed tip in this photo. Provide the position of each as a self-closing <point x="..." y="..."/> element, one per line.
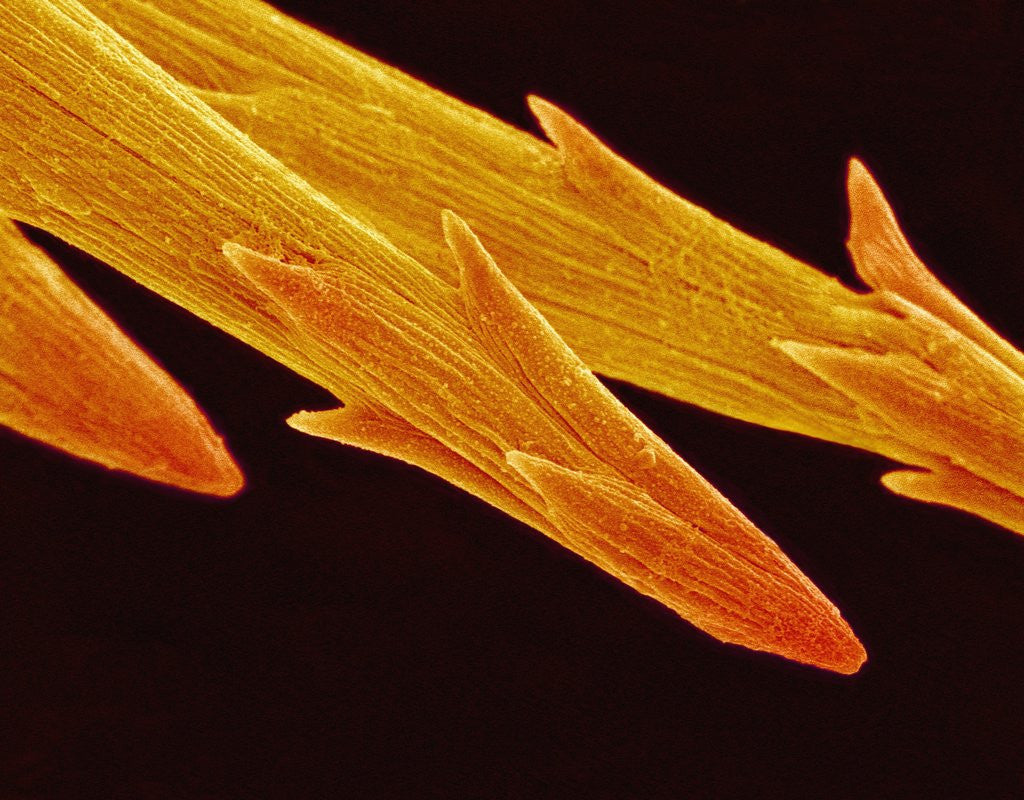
<point x="862" y="189"/>
<point x="860" y="195"/>
<point x="539" y="106"/>
<point x="880" y="252"/>
<point x="871" y="217"/>
<point x="812" y="632"/>
<point x="266" y="272"/>
<point x="302" y="421"/>
<point x="326" y="424"/>
<point x="536" y="100"/>
<point x="849" y="657"/>
<point x="82" y="385"/>
<point x="806" y="627"/>
<point x="552" y="119"/>
<point x="230" y="487"/>
<point x="840" y="651"/>
<point x="228" y="480"/>
<point x="856" y="170"/>
<point x="903" y="481"/>
<point x="296" y="288"/>
<point x="474" y="262"/>
<point x="455" y="229"/>
<point x="202" y="464"/>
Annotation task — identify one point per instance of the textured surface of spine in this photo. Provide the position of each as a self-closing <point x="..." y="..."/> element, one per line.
<point x="461" y="376"/>
<point x="643" y="285"/>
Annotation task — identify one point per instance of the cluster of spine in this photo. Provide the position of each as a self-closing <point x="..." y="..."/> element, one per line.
<point x="643" y="285"/>
<point x="295" y="193"/>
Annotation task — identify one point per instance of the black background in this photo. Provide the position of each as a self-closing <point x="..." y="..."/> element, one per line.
<point x="352" y="627"/>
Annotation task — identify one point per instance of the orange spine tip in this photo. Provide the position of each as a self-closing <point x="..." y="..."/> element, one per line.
<point x="71" y="378"/>
<point x="621" y="528"/>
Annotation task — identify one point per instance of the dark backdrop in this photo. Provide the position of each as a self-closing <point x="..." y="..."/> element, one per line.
<point x="352" y="627"/>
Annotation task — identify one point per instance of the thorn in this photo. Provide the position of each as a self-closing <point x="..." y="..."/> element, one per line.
<point x="287" y="284"/>
<point x="596" y="170"/>
<point x="621" y="528"/>
<point x="377" y="430"/>
<point x="880" y="252"/>
<point x="74" y="380"/>
<point x="316" y="311"/>
<point x="556" y="124"/>
<point x="953" y="486"/>
<point x="477" y="269"/>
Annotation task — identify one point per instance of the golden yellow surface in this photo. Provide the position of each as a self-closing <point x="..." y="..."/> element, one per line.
<point x="644" y="286"/>
<point x="446" y="366"/>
